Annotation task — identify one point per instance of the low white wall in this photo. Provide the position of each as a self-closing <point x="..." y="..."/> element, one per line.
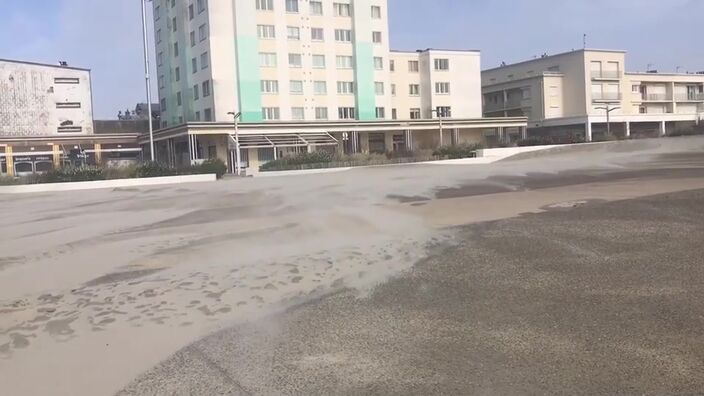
<point x="509" y="151"/>
<point x="91" y="185"/>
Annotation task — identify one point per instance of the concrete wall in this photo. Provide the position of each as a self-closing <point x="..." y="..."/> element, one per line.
<point x="30" y="96"/>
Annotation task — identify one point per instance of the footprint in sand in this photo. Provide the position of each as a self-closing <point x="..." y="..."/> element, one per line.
<point x="297" y="279"/>
<point x="270" y="286"/>
<point x="241" y="303"/>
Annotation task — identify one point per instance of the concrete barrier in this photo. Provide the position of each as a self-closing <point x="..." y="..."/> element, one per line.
<point x="100" y="184"/>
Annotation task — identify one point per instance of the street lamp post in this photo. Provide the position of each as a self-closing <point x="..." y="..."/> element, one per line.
<point x="608" y="110"/>
<point x="440" y="115"/>
<point x="147" y="78"/>
<point x="236" y="116"/>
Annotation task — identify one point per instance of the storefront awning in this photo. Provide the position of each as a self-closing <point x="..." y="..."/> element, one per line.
<point x="285" y="140"/>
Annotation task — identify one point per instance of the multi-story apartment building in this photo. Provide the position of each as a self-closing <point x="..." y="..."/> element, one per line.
<point x="46" y="112"/>
<point x="570" y="94"/>
<point x="318" y="65"/>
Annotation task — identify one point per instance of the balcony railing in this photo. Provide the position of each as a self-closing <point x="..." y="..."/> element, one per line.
<point x="691" y="97"/>
<point x="607" y="96"/>
<point x="606" y="75"/>
<point x="656" y="97"/>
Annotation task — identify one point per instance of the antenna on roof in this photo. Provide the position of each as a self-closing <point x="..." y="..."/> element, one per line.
<point x="584" y="40"/>
<point x="63" y="63"/>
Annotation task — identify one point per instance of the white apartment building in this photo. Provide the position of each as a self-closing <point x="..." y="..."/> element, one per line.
<point x="46" y="111"/>
<point x="321" y="67"/>
<point x="570" y="94"/>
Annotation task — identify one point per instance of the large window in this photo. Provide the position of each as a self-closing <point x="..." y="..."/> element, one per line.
<point x="266" y="31"/>
<point x="296" y="87"/>
<point x="413" y="66"/>
<point x="267" y="59"/>
<point x="376" y="12"/>
<point x="203" y="32"/>
<point x="442" y="88"/>
<point x="204" y="61"/>
<point x="293" y="33"/>
<point x="321" y="113"/>
<point x="295" y="60"/>
<point x="319" y="61"/>
<point x="345" y="87"/>
<point x="376" y="37"/>
<point x="378" y="63"/>
<point x="344" y="62"/>
<point x="379" y="88"/>
<point x="206" y="88"/>
<point x="442" y="64"/>
<point x="343" y="35"/>
<point x="271" y="113"/>
<point x="298" y="113"/>
<point x="317" y="34"/>
<point x="415" y="114"/>
<point x="201" y="5"/>
<point x="414" y="89"/>
<point x="443" y="111"/>
<point x="267" y="5"/>
<point x="346" y="113"/>
<point x="342" y="9"/>
<point x="320" y="87"/>
<point x="270" y="86"/>
<point x="195" y="92"/>
<point x="291" y="5"/>
<point x="316" y="8"/>
<point x="380" y="113"/>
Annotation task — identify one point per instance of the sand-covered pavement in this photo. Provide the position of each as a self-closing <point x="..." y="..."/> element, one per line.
<point x="97" y="287"/>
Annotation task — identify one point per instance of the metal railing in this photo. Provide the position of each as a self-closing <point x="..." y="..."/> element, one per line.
<point x="656" y="97"/>
<point x="615" y="96"/>
<point x="606" y="74"/>
<point x="690" y="97"/>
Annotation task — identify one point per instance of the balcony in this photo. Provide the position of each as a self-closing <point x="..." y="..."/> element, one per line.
<point x="660" y="97"/>
<point x="690" y="97"/>
<point x="607" y="97"/>
<point x="606" y="75"/>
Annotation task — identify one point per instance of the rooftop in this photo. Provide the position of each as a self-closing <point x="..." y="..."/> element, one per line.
<point x="556" y="55"/>
<point x="55" y="66"/>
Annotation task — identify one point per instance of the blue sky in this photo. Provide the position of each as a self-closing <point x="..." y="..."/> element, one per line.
<point x="107" y="39"/>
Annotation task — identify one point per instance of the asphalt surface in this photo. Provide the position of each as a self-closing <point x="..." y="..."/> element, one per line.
<point x="603" y="298"/>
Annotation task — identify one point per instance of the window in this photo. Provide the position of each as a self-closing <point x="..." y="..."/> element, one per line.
<point x="157" y="13"/>
<point x="195" y="92"/>
<point x="191" y="12"/>
<point x="204" y="61"/>
<point x="392" y="66"/>
<point x="178" y="99"/>
<point x="197" y="116"/>
<point x="293" y="33"/>
<point x="173" y="24"/>
<point x="380" y="113"/>
<point x="162" y="82"/>
<point x="201" y="5"/>
<point x="342" y="35"/>
<point x="267" y="5"/>
<point x="342" y="10"/>
<point x="443" y="111"/>
<point x="158" y="36"/>
<point x="298" y="113"/>
<point x="291" y="5"/>
<point x="194" y="65"/>
<point x="345" y="87"/>
<point x="379" y="88"/>
<point x="177" y="73"/>
<point x="316" y="8"/>
<point x="175" y="50"/>
<point x="393" y="89"/>
<point x="67" y="80"/>
<point x="378" y="63"/>
<point x="376" y="12"/>
<point x="320" y="87"/>
<point x="68" y="105"/>
<point x="266" y="31"/>
<point x="270" y="86"/>
<point x="208" y="115"/>
<point x="442" y="64"/>
<point x="203" y="32"/>
<point x="271" y="113"/>
<point x="376" y="37"/>
<point x="413" y="66"/>
<point x="321" y="113"/>
<point x="162" y="105"/>
<point x="159" y="59"/>
<point x="526" y="93"/>
<point x="267" y="59"/>
<point x="295" y="60"/>
<point x="394" y="114"/>
<point x="415" y="114"/>
<point x="319" y="61"/>
<point x="296" y="87"/>
<point x="635" y="88"/>
<point x="414" y="89"/>
<point x="346" y="113"/>
<point x="344" y="62"/>
<point x="442" y="88"/>
<point x="206" y="88"/>
<point x="193" y="38"/>
<point x="317" y="34"/>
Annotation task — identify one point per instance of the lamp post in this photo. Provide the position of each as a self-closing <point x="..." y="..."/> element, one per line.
<point x="608" y="110"/>
<point x="147" y="78"/>
<point x="440" y="115"/>
<point x="236" y="116"/>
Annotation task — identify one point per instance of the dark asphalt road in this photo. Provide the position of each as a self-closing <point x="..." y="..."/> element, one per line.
<point x="607" y="298"/>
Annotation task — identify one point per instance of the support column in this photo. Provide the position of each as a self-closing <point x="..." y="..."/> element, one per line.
<point x="9" y="161"/>
<point x="389" y="141"/>
<point x="56" y="154"/>
<point x="455" y="136"/>
<point x="663" y="128"/>
<point x="524" y="132"/>
<point x="502" y="133"/>
<point x="588" y="131"/>
<point x="409" y="140"/>
<point x="98" y="153"/>
<point x="364" y="142"/>
<point x="628" y="130"/>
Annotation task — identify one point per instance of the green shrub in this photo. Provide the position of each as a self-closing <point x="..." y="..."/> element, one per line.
<point x="316" y="157"/>
<point x="72" y="174"/>
<point x="8" y="181"/>
<point x="458" y="152"/>
<point x="120" y="172"/>
<point x="154" y="169"/>
<point x="212" y="166"/>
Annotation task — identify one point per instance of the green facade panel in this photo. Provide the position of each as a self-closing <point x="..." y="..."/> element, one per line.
<point x="247" y="53"/>
<point x="364" y="60"/>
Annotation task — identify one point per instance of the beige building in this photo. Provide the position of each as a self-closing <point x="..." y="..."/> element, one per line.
<point x="569" y="94"/>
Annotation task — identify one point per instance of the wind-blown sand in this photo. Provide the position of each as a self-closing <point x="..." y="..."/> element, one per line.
<point x="97" y="287"/>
